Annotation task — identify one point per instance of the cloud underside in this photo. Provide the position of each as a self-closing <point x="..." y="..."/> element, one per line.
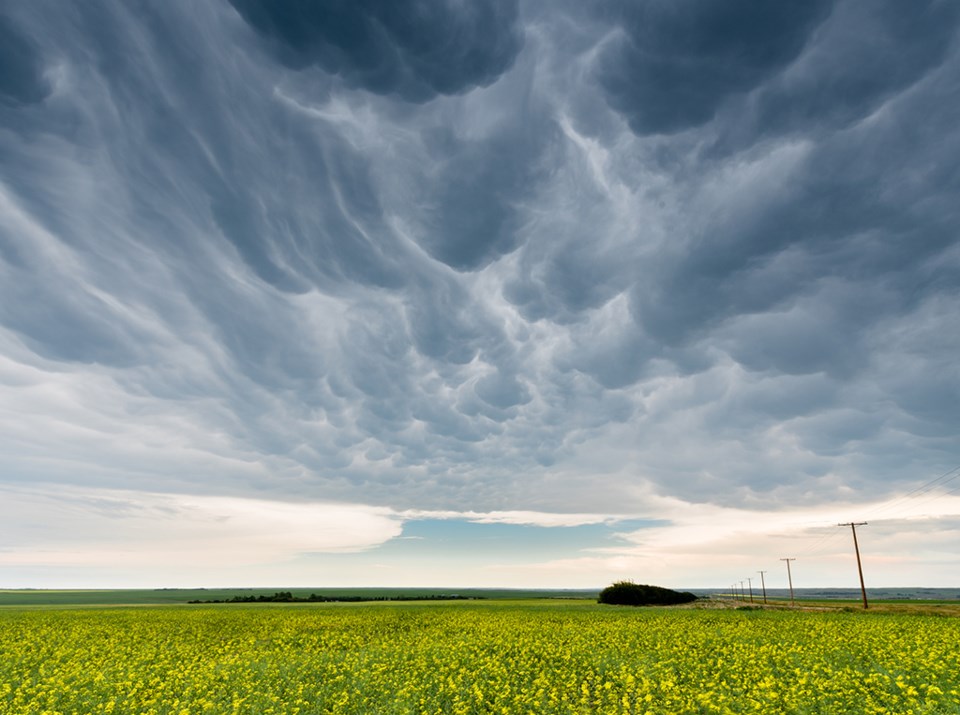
<point x="480" y="257"/>
<point x="411" y="49"/>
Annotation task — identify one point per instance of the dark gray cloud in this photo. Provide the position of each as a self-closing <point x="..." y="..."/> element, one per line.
<point x="864" y="54"/>
<point x="672" y="64"/>
<point x="470" y="214"/>
<point x="413" y="49"/>
<point x="849" y="214"/>
<point x="22" y="78"/>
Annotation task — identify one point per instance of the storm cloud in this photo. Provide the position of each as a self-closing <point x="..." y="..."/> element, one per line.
<point x="412" y="49"/>
<point x="672" y="64"/>
<point x="22" y="81"/>
<point x="462" y="258"/>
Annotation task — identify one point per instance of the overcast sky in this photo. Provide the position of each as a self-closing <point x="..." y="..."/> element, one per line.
<point x="499" y="292"/>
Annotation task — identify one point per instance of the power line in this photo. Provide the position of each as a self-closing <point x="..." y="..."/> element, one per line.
<point x="934" y="498"/>
<point x="938" y="481"/>
<point x="914" y="498"/>
<point x="924" y="489"/>
<point x="817" y="546"/>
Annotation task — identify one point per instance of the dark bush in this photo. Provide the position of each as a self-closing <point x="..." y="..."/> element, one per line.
<point x="627" y="593"/>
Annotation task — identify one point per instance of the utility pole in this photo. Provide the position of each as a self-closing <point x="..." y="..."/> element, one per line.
<point x="853" y="527"/>
<point x="743" y="591"/>
<point x="790" y="579"/>
<point x="763" y="585"/>
<point x="750" y="585"/>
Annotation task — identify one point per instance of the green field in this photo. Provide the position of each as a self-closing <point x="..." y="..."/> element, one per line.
<point x="172" y="596"/>
<point x="497" y="656"/>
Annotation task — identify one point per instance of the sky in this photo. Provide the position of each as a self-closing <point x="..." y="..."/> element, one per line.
<point x="524" y="293"/>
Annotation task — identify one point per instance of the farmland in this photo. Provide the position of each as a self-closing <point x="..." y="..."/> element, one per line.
<point x="174" y="596"/>
<point x="473" y="657"/>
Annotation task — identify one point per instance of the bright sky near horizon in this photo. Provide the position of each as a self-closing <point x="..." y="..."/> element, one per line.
<point x="527" y="293"/>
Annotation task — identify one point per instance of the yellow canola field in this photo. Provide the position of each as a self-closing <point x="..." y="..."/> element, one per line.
<point x="473" y="658"/>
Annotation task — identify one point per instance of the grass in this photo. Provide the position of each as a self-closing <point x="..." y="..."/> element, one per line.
<point x="18" y="598"/>
<point x="926" y="607"/>
<point x="159" y="597"/>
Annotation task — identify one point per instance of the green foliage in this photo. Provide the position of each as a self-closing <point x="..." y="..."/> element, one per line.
<point x="627" y="593"/>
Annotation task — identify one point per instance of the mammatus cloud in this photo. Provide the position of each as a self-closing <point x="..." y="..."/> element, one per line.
<point x="499" y="259"/>
<point x="864" y="54"/>
<point x="412" y="49"/>
<point x="672" y="64"/>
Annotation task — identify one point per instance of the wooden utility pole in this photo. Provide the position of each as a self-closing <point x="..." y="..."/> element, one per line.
<point x="853" y="527"/>
<point x="763" y="585"/>
<point x="790" y="580"/>
<point x="750" y="585"/>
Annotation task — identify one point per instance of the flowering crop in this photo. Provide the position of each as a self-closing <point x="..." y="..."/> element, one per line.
<point x="465" y="658"/>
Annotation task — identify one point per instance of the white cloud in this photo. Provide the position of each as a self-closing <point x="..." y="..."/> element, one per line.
<point x="905" y="542"/>
<point x="520" y="518"/>
<point x="145" y="538"/>
<point x="52" y="525"/>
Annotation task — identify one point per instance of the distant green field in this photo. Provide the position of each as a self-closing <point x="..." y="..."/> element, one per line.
<point x="145" y="597"/>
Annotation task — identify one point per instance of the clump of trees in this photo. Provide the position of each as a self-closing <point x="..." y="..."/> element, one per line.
<point x="628" y="593"/>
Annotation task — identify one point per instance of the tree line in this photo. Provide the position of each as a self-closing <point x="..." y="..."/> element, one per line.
<point x="288" y="597"/>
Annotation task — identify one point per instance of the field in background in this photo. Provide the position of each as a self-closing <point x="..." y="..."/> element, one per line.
<point x="172" y="596"/>
<point x="465" y="657"/>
